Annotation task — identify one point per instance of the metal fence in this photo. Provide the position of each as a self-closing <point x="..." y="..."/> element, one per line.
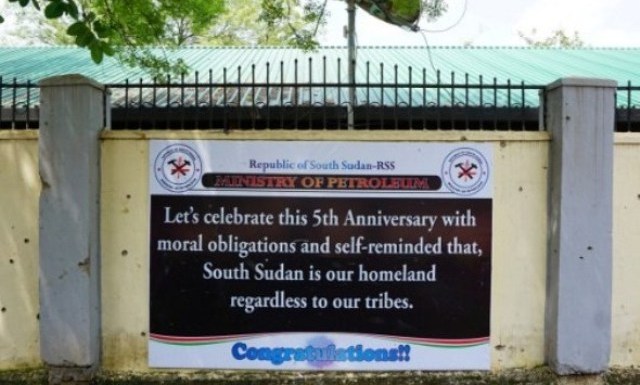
<point x="19" y="104"/>
<point x="628" y="108"/>
<point x="323" y="105"/>
<point x="202" y="103"/>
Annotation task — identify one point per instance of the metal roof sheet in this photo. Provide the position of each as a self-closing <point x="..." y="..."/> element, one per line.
<point x="531" y="65"/>
<point x="375" y="65"/>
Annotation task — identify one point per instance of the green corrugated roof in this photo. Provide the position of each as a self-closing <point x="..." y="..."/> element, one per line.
<point x="389" y="65"/>
<point x="532" y="65"/>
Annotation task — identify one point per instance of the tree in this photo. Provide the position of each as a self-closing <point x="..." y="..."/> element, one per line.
<point x="128" y="28"/>
<point x="118" y="27"/>
<point x="283" y="13"/>
<point x="559" y="38"/>
<point x="27" y="26"/>
<point x="239" y="24"/>
<point x="433" y="9"/>
<point x="248" y="24"/>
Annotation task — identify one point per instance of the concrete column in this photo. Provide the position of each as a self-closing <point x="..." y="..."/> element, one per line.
<point x="71" y="118"/>
<point x="581" y="115"/>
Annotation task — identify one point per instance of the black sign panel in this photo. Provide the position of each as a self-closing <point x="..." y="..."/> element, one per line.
<point x="411" y="267"/>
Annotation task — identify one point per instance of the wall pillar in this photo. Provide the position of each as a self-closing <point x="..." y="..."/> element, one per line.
<point x="581" y="117"/>
<point x="71" y="118"/>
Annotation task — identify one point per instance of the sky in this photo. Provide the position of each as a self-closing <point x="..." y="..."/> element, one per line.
<point x="484" y="23"/>
<point x="497" y="22"/>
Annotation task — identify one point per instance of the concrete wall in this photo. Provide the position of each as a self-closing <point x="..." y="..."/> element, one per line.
<point x="519" y="264"/>
<point x="125" y="252"/>
<point x="625" y="349"/>
<point x="19" y="301"/>
<point x="72" y="117"/>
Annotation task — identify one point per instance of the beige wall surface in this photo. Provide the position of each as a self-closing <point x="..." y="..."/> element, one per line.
<point x="625" y="345"/>
<point x="519" y="244"/>
<point x="519" y="239"/>
<point x="519" y="253"/>
<point x="125" y="253"/>
<point x="19" y="191"/>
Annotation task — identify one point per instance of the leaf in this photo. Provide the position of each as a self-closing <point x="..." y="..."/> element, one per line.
<point x="77" y="28"/>
<point x="1" y="19"/>
<point x="23" y="3"/>
<point x="85" y="39"/>
<point x="72" y="9"/>
<point x="101" y="30"/>
<point x="97" y="54"/>
<point x="89" y="17"/>
<point x="54" y="10"/>
<point x="107" y="49"/>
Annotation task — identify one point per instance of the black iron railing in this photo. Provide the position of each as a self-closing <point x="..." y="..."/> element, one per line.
<point x="325" y="106"/>
<point x="628" y="108"/>
<point x="202" y="103"/>
<point x="19" y="104"/>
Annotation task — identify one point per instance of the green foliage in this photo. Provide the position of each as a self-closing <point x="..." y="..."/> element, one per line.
<point x="300" y="19"/>
<point x="190" y="19"/>
<point x="433" y="9"/>
<point x="24" y="3"/>
<point x="140" y="32"/>
<point x="114" y="27"/>
<point x="30" y="26"/>
<point x="127" y="29"/>
<point x="559" y="38"/>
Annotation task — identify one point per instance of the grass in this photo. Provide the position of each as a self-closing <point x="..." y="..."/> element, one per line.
<point x="537" y="376"/>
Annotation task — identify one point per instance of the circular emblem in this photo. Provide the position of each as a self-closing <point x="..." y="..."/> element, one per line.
<point x="465" y="171"/>
<point x="178" y="168"/>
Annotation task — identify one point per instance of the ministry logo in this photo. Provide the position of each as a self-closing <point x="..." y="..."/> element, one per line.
<point x="178" y="168"/>
<point x="465" y="171"/>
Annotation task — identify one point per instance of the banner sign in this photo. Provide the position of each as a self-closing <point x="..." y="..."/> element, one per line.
<point x="317" y="255"/>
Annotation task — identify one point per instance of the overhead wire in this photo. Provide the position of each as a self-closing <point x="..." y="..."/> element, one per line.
<point x="320" y="17"/>
<point x="455" y="24"/>
<point x="429" y="55"/>
<point x="423" y="33"/>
